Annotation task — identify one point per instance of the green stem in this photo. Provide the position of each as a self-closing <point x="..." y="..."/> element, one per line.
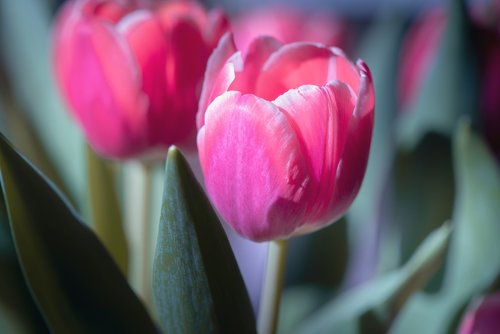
<point x="138" y="212"/>
<point x="271" y="293"/>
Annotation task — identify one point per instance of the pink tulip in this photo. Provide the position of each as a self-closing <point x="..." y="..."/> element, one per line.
<point x="284" y="135"/>
<point x="287" y="25"/>
<point x="131" y="70"/>
<point x="483" y="317"/>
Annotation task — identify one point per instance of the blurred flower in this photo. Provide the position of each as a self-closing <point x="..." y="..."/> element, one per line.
<point x="284" y="135"/>
<point x="131" y="71"/>
<point x="483" y="317"/>
<point x="420" y="48"/>
<point x="287" y="25"/>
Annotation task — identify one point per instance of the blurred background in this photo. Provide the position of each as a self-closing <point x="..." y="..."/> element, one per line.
<point x="434" y="158"/>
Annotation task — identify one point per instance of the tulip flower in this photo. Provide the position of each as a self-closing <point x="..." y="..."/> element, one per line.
<point x="131" y="71"/>
<point x="483" y="317"/>
<point x="284" y="135"/>
<point x="287" y="25"/>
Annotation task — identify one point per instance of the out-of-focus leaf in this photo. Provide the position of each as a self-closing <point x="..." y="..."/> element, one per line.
<point x="473" y="262"/>
<point x="27" y="60"/>
<point x="380" y="50"/>
<point x="18" y="312"/>
<point x="318" y="258"/>
<point x="197" y="284"/>
<point x="449" y="88"/>
<point x="384" y="296"/>
<point x="297" y="303"/>
<point x="423" y="191"/>
<point x="15" y="125"/>
<point x="76" y="284"/>
<point x="105" y="208"/>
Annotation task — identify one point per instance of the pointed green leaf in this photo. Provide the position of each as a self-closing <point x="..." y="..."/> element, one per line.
<point x="384" y="296"/>
<point x="76" y="284"/>
<point x="473" y="262"/>
<point x="105" y="208"/>
<point x="449" y="89"/>
<point x="197" y="284"/>
<point x="18" y="311"/>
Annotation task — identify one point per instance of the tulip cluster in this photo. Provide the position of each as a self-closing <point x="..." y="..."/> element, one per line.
<point x="284" y="129"/>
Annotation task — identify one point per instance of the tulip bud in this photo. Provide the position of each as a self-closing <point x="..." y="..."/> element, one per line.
<point x="131" y="71"/>
<point x="287" y="25"/>
<point x="483" y="317"/>
<point x="284" y="135"/>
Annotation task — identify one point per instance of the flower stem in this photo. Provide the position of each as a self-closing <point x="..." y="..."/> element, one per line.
<point x="273" y="283"/>
<point x="138" y="215"/>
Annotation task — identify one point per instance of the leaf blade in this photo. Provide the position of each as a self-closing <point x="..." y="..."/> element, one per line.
<point x="73" y="279"/>
<point x="196" y="279"/>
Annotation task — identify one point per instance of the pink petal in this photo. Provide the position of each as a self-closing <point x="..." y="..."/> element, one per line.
<point x="354" y="147"/>
<point x="148" y="44"/>
<point x="256" y="55"/>
<point x="321" y="116"/>
<point x="292" y="66"/>
<point x="184" y="70"/>
<point x="169" y="12"/>
<point x="102" y="88"/>
<point x="217" y="25"/>
<point x="217" y="77"/>
<point x="253" y="167"/>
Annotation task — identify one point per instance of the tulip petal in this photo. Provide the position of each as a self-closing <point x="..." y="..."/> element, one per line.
<point x="253" y="166"/>
<point x="184" y="72"/>
<point x="218" y="77"/>
<point x="292" y="66"/>
<point x="321" y="116"/>
<point x="355" y="148"/>
<point x="146" y="39"/>
<point x="217" y="25"/>
<point x="256" y="55"/>
<point x="101" y="83"/>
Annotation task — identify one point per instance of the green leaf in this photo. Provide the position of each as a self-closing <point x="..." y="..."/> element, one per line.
<point x="298" y="303"/>
<point x="75" y="282"/>
<point x="423" y="191"/>
<point x="449" y="89"/>
<point x="197" y="284"/>
<point x="473" y="262"/>
<point x="319" y="258"/>
<point x="384" y="296"/>
<point x="18" y="311"/>
<point x="105" y="208"/>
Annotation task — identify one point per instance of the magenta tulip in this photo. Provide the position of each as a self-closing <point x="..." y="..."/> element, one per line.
<point x="483" y="317"/>
<point x="131" y="71"/>
<point x="284" y="135"/>
<point x="287" y="25"/>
